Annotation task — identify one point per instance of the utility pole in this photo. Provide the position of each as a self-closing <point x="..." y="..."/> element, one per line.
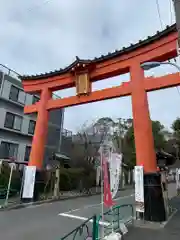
<point x="177" y="15"/>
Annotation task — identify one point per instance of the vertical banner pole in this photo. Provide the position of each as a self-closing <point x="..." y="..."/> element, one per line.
<point x="110" y="175"/>
<point x="102" y="193"/>
<point x="9" y="185"/>
<point x="98" y="175"/>
<point x="22" y="183"/>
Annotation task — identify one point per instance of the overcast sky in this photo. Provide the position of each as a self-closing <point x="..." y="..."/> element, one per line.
<point x="44" y="36"/>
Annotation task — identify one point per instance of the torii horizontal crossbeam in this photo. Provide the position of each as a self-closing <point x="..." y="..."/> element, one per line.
<point x="150" y="84"/>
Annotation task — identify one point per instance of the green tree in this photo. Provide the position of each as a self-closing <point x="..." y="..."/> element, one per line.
<point x="129" y="143"/>
<point x="159" y="135"/>
<point x="176" y="130"/>
<point x="128" y="147"/>
<point x="176" y="125"/>
<point x="176" y="137"/>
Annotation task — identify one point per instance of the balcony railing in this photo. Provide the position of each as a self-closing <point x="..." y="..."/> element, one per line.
<point x="9" y="72"/>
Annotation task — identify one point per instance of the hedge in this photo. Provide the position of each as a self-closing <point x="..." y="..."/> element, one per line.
<point x="76" y="179"/>
<point x="70" y="179"/>
<point x="4" y="180"/>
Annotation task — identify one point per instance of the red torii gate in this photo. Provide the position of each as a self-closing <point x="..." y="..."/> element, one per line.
<point x="82" y="73"/>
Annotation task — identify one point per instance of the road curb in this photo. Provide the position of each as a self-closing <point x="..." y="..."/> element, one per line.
<point x="61" y="198"/>
<point x="24" y="205"/>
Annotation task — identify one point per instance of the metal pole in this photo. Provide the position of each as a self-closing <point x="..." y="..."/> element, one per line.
<point x="95" y="228"/>
<point x="112" y="217"/>
<point x="9" y="185"/>
<point x="149" y="65"/>
<point x="120" y="148"/>
<point x="170" y="63"/>
<point x="177" y="15"/>
<point x="22" y="183"/>
<point x="102" y="193"/>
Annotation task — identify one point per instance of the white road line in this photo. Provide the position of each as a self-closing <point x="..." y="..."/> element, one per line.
<point x="82" y="218"/>
<point x="94" y="205"/>
<point x="39" y="205"/>
<point x="73" y="216"/>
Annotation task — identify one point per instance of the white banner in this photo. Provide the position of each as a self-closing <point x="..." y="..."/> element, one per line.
<point x="177" y="178"/>
<point x="1" y="165"/>
<point x="98" y="175"/>
<point x="139" y="188"/>
<point x="115" y="172"/>
<point x="29" y="180"/>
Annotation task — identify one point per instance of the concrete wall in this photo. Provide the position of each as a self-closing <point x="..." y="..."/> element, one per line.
<point x="23" y="138"/>
<point x="16" y="138"/>
<point x="5" y="90"/>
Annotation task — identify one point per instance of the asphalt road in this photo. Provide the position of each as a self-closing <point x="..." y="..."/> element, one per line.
<point x="52" y="221"/>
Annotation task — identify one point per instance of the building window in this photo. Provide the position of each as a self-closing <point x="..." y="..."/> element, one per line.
<point x="9" y="120"/>
<point x="27" y="153"/>
<point x="17" y="123"/>
<point x="35" y="99"/>
<point x="31" y="127"/>
<point x="21" y="97"/>
<point x="1" y="77"/>
<point x="9" y="150"/>
<point x="13" y="121"/>
<point x="17" y="95"/>
<point x="14" y="93"/>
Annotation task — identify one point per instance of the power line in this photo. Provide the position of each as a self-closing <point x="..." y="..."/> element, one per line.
<point x="161" y="23"/>
<point x="176" y="86"/>
<point x="159" y="13"/>
<point x="178" y="90"/>
<point x="171" y="11"/>
<point x="39" y="5"/>
<point x="36" y="6"/>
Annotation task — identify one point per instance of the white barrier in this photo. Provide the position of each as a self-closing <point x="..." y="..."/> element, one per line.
<point x="113" y="236"/>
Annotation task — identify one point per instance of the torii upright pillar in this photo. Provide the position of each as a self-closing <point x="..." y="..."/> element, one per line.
<point x="40" y="134"/>
<point x="142" y="122"/>
<point x="144" y="139"/>
<point x="39" y="140"/>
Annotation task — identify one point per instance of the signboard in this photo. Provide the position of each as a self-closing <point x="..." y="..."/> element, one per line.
<point x="29" y="180"/>
<point x="139" y="188"/>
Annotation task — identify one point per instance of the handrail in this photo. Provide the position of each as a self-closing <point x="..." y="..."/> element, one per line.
<point x="117" y="207"/>
<point x="80" y="228"/>
<point x="110" y="212"/>
<point x="95" y="220"/>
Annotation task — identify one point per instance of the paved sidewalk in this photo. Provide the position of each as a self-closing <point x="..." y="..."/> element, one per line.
<point x="170" y="232"/>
